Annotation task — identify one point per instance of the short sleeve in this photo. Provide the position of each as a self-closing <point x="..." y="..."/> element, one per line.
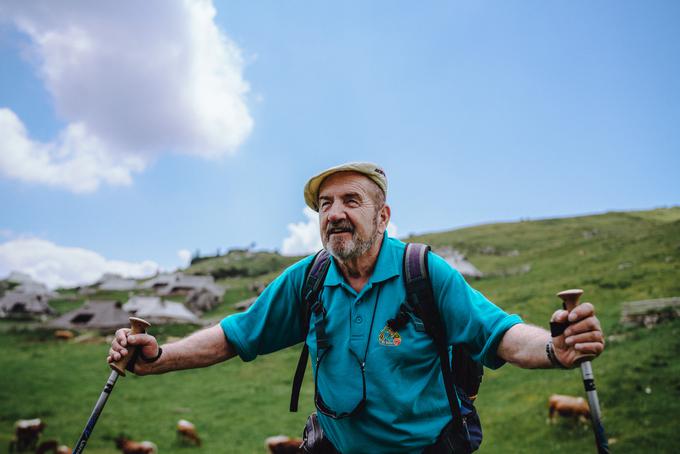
<point x="471" y="320"/>
<point x="272" y="323"/>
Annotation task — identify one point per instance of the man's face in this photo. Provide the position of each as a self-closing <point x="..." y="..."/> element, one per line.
<point x="349" y="219"/>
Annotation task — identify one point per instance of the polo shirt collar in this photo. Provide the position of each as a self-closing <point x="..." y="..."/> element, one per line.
<point x="386" y="267"/>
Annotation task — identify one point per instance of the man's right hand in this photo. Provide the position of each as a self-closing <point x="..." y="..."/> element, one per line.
<point x="123" y="340"/>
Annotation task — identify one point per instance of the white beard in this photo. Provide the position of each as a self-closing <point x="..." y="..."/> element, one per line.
<point x="345" y="249"/>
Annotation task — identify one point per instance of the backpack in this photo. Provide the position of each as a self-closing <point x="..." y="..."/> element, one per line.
<point x="462" y="382"/>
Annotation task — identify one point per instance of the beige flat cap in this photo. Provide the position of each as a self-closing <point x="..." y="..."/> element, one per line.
<point x="372" y="171"/>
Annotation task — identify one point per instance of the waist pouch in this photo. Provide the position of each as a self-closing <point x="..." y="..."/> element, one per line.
<point x="471" y="418"/>
<point x="451" y="442"/>
<point x="314" y="441"/>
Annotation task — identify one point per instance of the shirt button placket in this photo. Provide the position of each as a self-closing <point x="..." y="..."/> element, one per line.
<point x="357" y="325"/>
<point x="358" y="319"/>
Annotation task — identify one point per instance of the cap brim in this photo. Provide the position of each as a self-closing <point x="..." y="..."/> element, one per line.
<point x="367" y="169"/>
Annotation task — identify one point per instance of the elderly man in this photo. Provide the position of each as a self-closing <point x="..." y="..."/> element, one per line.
<point x="405" y="407"/>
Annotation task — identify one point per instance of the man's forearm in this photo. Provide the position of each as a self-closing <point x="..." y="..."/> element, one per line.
<point x="200" y="349"/>
<point x="524" y="346"/>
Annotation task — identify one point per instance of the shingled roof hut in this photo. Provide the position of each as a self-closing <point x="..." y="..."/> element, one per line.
<point x="458" y="261"/>
<point x="202" y="300"/>
<point x="649" y="312"/>
<point x="178" y="284"/>
<point x="157" y="311"/>
<point x="117" y="283"/>
<point x="20" y="304"/>
<point x="99" y="315"/>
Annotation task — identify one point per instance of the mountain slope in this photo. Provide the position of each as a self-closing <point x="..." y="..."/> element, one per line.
<point x="614" y="257"/>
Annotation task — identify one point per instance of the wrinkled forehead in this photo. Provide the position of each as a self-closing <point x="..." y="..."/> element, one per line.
<point x="347" y="182"/>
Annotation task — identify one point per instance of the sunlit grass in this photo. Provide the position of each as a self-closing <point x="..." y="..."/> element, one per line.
<point x="615" y="257"/>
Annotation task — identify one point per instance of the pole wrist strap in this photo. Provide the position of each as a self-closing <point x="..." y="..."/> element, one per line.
<point x="146" y="359"/>
<point x="550" y="352"/>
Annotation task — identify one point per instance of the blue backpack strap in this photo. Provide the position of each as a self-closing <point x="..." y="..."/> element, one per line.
<point x="421" y="298"/>
<point x="314" y="278"/>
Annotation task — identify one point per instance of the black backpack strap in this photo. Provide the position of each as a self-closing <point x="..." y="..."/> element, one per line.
<point x="420" y="296"/>
<point x="314" y="278"/>
<point x="468" y="373"/>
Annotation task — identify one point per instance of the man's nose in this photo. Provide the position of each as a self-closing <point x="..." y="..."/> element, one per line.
<point x="336" y="212"/>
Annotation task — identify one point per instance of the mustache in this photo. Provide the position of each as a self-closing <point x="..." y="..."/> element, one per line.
<point x="340" y="226"/>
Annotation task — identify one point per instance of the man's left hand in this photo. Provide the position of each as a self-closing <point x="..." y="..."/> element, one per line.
<point x="583" y="336"/>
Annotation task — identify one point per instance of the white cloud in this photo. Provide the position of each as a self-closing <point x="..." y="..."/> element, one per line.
<point x="304" y="237"/>
<point x="185" y="256"/>
<point x="59" y="266"/>
<point x="392" y="230"/>
<point x="132" y="80"/>
<point x="77" y="160"/>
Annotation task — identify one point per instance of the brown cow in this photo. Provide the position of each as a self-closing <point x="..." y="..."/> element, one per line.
<point x="52" y="446"/>
<point x="128" y="446"/>
<point x="26" y="434"/>
<point x="281" y="444"/>
<point x="568" y="406"/>
<point x="187" y="431"/>
<point x="64" y="334"/>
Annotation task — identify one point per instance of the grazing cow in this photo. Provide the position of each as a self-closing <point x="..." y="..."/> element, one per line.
<point x="281" y="444"/>
<point x="52" y="446"/>
<point x="128" y="446"/>
<point x="568" y="406"/>
<point x="26" y="434"/>
<point x="186" y="431"/>
<point x="64" y="334"/>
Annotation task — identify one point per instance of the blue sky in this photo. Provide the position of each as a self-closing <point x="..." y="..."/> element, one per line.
<point x="479" y="112"/>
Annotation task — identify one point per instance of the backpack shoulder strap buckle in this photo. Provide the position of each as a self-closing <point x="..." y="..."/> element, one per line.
<point x="309" y="298"/>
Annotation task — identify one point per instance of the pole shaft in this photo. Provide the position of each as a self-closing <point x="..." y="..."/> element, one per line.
<point x="594" y="404"/>
<point x="99" y="406"/>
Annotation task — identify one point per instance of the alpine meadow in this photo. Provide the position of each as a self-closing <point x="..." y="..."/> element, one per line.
<point x="616" y="257"/>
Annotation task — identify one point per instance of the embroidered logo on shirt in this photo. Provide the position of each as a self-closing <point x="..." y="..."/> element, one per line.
<point x="389" y="337"/>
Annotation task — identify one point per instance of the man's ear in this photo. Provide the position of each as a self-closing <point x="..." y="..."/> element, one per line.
<point x="384" y="218"/>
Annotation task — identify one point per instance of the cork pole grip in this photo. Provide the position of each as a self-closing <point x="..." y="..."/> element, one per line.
<point x="137" y="326"/>
<point x="570" y="299"/>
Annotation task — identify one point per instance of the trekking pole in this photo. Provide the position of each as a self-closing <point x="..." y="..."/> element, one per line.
<point x="138" y="326"/>
<point x="570" y="299"/>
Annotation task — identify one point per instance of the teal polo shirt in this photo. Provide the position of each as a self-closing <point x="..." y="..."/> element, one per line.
<point x="406" y="405"/>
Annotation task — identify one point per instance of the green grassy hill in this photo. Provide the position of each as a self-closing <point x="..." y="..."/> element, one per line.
<point x="614" y="257"/>
<point x="241" y="263"/>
